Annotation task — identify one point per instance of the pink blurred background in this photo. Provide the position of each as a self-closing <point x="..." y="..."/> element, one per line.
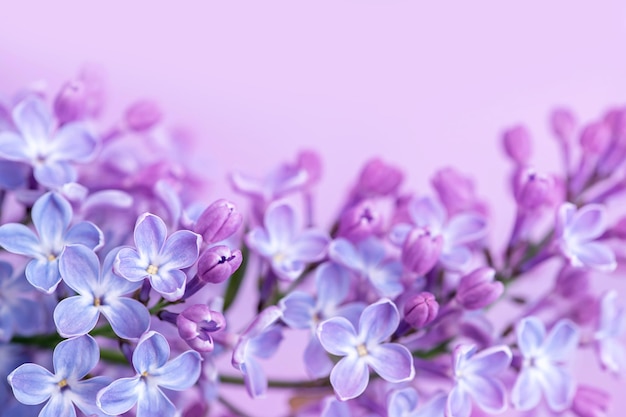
<point x="423" y="84"/>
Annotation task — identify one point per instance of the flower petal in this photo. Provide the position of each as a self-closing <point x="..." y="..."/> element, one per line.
<point x="150" y="234"/>
<point x="153" y="403"/>
<point x="43" y="274"/>
<point x="310" y="246"/>
<point x="170" y="284"/>
<point x="316" y="360"/>
<point x="87" y="234"/>
<point x="333" y="284"/>
<point x="54" y="174"/>
<point x="344" y="253"/>
<point x="51" y="216"/>
<point x="596" y="255"/>
<point x="259" y="241"/>
<point x="337" y="336"/>
<point x="350" y="377"/>
<point x="488" y="393"/>
<point x="120" y="396"/>
<point x="128" y="317"/>
<point x="266" y="344"/>
<point x="254" y="377"/>
<point x="490" y="361"/>
<point x="526" y="392"/>
<point x="32" y="384"/>
<point x="80" y="268"/>
<point x="464" y="229"/>
<point x="180" y="373"/>
<point x="298" y="310"/>
<point x="459" y="403"/>
<point x="589" y="222"/>
<point x="530" y="335"/>
<point x="151" y="353"/>
<point x="378" y="322"/>
<point x="33" y="119"/>
<point x="387" y="278"/>
<point x="280" y="223"/>
<point x="73" y="142"/>
<point x="74" y="358"/>
<point x="180" y="250"/>
<point x="76" y="316"/>
<point x="402" y="402"/>
<point x="562" y="341"/>
<point x="392" y="361"/>
<point x="14" y="148"/>
<point x="558" y="386"/>
<point x="59" y="405"/>
<point x="427" y="212"/>
<point x="84" y="394"/>
<point x="129" y="264"/>
<point x="19" y="239"/>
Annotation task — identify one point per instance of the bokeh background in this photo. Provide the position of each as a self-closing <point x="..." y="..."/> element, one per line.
<point x="422" y="84"/>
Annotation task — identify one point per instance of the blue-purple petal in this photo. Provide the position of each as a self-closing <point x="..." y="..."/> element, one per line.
<point x="32" y="384"/>
<point x="131" y="265"/>
<point x="59" y="405"/>
<point x="13" y="174"/>
<point x="350" y="377"/>
<point x="75" y="316"/>
<point x="150" y="234"/>
<point x="379" y="321"/>
<point x="298" y="310"/>
<point x="316" y="360"/>
<point x="80" y="268"/>
<point x="280" y="223"/>
<point x="181" y="250"/>
<point x="337" y="336"/>
<point x="254" y="377"/>
<point x="152" y="352"/>
<point x="310" y="245"/>
<point x="488" y="393"/>
<point x="170" y="284"/>
<point x="333" y="283"/>
<point x="128" y="317"/>
<point x="74" y="358"/>
<point x="120" y="396"/>
<point x="51" y="216"/>
<point x="180" y="373"/>
<point x="558" y="386"/>
<point x="266" y="344"/>
<point x="344" y="253"/>
<point x="402" y="402"/>
<point x="526" y="392"/>
<point x="562" y="341"/>
<point x="459" y="403"/>
<point x="153" y="403"/>
<point x="85" y="393"/>
<point x="530" y="335"/>
<point x="14" y="148"/>
<point x="19" y="239"/>
<point x="392" y="361"/>
<point x="33" y="119"/>
<point x="54" y="174"/>
<point x="490" y="361"/>
<point x="43" y="274"/>
<point x="73" y="142"/>
<point x="87" y="234"/>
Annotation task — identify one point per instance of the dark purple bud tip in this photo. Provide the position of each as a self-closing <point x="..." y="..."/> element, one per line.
<point x="218" y="263"/>
<point x="421" y="251"/>
<point x="360" y="222"/>
<point x="219" y="221"/>
<point x="421" y="309"/>
<point x="69" y="104"/>
<point x="379" y="179"/>
<point x="478" y="289"/>
<point x="517" y="144"/>
<point x="143" y="115"/>
<point x="197" y="323"/>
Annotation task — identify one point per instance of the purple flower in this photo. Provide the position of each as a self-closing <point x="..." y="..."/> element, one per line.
<point x="260" y="340"/>
<point x="50" y="154"/>
<point x="611" y="327"/>
<point x="543" y="368"/>
<point x="479" y="289"/>
<point x="218" y="221"/>
<point x="285" y="249"/>
<point x="475" y="378"/>
<point x="73" y="359"/>
<point x="51" y="216"/>
<point x="421" y="309"/>
<point x="99" y="291"/>
<point x="365" y="349"/>
<point x="157" y="258"/>
<point x="195" y="325"/>
<point x="404" y="403"/>
<point x="368" y="259"/>
<point x="303" y="311"/>
<point x="19" y="312"/>
<point x="150" y="360"/>
<point x="458" y="232"/>
<point x="576" y="232"/>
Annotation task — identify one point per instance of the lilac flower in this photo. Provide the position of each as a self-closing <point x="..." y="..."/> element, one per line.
<point x="475" y="378"/>
<point x="543" y="368"/>
<point x="157" y="258"/>
<point x="478" y="289"/>
<point x="196" y="324"/>
<point x="458" y="232"/>
<point x="404" y="403"/>
<point x="365" y="349"/>
<point x="73" y="359"/>
<point x="368" y="259"/>
<point x="99" y="291"/>
<point x="150" y="360"/>
<point x="50" y="154"/>
<point x="303" y="311"/>
<point x="285" y="249"/>
<point x="260" y="340"/>
<point x="19" y="312"/>
<point x="576" y="232"/>
<point x="611" y="327"/>
<point x="51" y="216"/>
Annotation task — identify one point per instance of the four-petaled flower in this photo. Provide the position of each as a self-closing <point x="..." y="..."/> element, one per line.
<point x="99" y="291"/>
<point x="543" y="368"/>
<point x="158" y="257"/>
<point x="150" y="360"/>
<point x="72" y="359"/>
<point x="51" y="215"/>
<point x="392" y="361"/>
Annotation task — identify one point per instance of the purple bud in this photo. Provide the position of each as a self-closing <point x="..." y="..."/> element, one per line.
<point x="360" y="221"/>
<point x="379" y="179"/>
<point x="595" y="138"/>
<point x="517" y="144"/>
<point x="421" y="251"/>
<point x="533" y="190"/>
<point x="218" y="221"/>
<point x="590" y="402"/>
<point x="197" y="323"/>
<point x="479" y="289"/>
<point x="421" y="309"/>
<point x="572" y="282"/>
<point x="69" y="104"/>
<point x="143" y="115"/>
<point x="218" y="263"/>
<point x="311" y="162"/>
<point x="563" y="124"/>
<point x="456" y="191"/>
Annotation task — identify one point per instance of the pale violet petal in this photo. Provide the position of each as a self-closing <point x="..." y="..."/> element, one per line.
<point x="84" y="394"/>
<point x="309" y="246"/>
<point x="80" y="268"/>
<point x="316" y="360"/>
<point x="490" y="361"/>
<point x="392" y="361"/>
<point x="19" y="239"/>
<point x="74" y="358"/>
<point x="51" y="216"/>
<point x="344" y="253"/>
<point x="558" y="386"/>
<point x="337" y="336"/>
<point x="54" y="174"/>
<point x="254" y="377"/>
<point x="280" y="223"/>
<point x="180" y="250"/>
<point x="530" y="335"/>
<point x="128" y="317"/>
<point x="59" y="405"/>
<point x="459" y="403"/>
<point x="378" y="322"/>
<point x="170" y="284"/>
<point x="488" y="393"/>
<point x="526" y="392"/>
<point x="152" y="352"/>
<point x="33" y="119"/>
<point x="180" y="373"/>
<point x="153" y="403"/>
<point x="350" y="377"/>
<point x="32" y="384"/>
<point x="75" y="316"/>
<point x="562" y="341"/>
<point x="43" y="274"/>
<point x="73" y="142"/>
<point x="589" y="222"/>
<point x="267" y="343"/>
<point x="298" y="310"/>
<point x="402" y="402"/>
<point x="464" y="229"/>
<point x="120" y="396"/>
<point x="150" y="234"/>
<point x="14" y="148"/>
<point x="87" y="234"/>
<point x="129" y="264"/>
<point x="596" y="255"/>
<point x="333" y="284"/>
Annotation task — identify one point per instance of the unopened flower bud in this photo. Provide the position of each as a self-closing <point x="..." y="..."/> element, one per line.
<point x="456" y="191"/>
<point x="595" y="138"/>
<point x="533" y="189"/>
<point x="572" y="282"/>
<point x="421" y="251"/>
<point x="378" y="179"/>
<point x="218" y="263"/>
<point x="517" y="144"/>
<point x="478" y="289"/>
<point x="421" y="309"/>
<point x="590" y="402"/>
<point x="563" y="124"/>
<point x="69" y="104"/>
<point x="218" y="221"/>
<point x="143" y="115"/>
<point x="360" y="221"/>
<point x="197" y="323"/>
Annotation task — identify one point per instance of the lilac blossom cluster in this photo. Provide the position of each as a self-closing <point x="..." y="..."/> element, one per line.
<point x="117" y="279"/>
